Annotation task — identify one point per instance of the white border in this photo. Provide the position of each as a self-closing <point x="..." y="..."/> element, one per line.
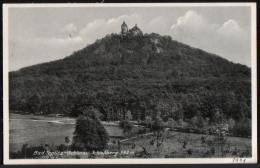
<point x="7" y="160"/>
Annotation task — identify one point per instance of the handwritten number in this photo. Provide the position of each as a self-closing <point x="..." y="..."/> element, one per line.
<point x="239" y="160"/>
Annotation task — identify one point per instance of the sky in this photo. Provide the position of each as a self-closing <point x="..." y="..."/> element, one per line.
<point x="38" y="35"/>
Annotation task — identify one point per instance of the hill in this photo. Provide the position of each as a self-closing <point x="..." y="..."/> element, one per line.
<point x="145" y="74"/>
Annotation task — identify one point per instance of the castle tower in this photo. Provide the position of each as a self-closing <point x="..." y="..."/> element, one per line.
<point x="124" y="29"/>
<point x="136" y="31"/>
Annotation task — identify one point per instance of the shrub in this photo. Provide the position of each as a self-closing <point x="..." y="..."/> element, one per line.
<point x="189" y="151"/>
<point x="157" y="124"/>
<point x="212" y="150"/>
<point x="203" y="140"/>
<point x="126" y="126"/>
<point x="142" y="131"/>
<point x="171" y="123"/>
<point x="27" y="151"/>
<point x="89" y="135"/>
<point x="242" y="128"/>
<point x="62" y="148"/>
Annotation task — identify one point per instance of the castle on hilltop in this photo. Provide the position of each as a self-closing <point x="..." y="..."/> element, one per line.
<point x="135" y="31"/>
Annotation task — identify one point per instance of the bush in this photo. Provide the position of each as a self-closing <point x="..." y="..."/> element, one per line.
<point x="27" y="152"/>
<point x="212" y="150"/>
<point x="203" y="139"/>
<point x="242" y="128"/>
<point x="89" y="135"/>
<point x="157" y="124"/>
<point x="62" y="148"/>
<point x="126" y="126"/>
<point x="142" y="131"/>
<point x="189" y="151"/>
<point x="171" y="123"/>
<point x="197" y="122"/>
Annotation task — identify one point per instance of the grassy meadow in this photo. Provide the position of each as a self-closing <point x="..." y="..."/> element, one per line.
<point x="36" y="130"/>
<point x="172" y="146"/>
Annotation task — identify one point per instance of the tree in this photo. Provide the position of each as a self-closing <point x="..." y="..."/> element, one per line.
<point x="190" y="107"/>
<point x="182" y="123"/>
<point x="67" y="141"/>
<point x="157" y="123"/>
<point x="240" y="110"/>
<point x="220" y="138"/>
<point x="177" y="111"/>
<point x="126" y="126"/>
<point x="218" y="116"/>
<point x="231" y="124"/>
<point x="89" y="134"/>
<point x="157" y="128"/>
<point x="34" y="104"/>
<point x="148" y="121"/>
<point x="164" y="108"/>
<point x="197" y="121"/>
<point x="242" y="128"/>
<point x="128" y="115"/>
<point x="171" y="123"/>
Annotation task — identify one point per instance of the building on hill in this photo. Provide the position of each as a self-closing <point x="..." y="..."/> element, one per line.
<point x="136" y="31"/>
<point x="124" y="29"/>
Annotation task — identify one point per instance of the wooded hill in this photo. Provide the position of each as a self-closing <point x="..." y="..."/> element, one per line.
<point x="144" y="74"/>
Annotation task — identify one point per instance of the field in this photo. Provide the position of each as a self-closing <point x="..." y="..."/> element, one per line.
<point x="36" y="130"/>
<point x="172" y="146"/>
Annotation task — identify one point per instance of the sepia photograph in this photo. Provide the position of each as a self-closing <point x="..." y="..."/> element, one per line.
<point x="129" y="83"/>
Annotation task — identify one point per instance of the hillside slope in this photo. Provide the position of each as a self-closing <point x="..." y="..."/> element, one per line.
<point x="144" y="74"/>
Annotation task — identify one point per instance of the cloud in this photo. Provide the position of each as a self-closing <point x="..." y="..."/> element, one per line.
<point x="158" y="25"/>
<point x="44" y="49"/>
<point x="30" y="51"/>
<point x="190" y="20"/>
<point x="230" y="28"/>
<point x="193" y="29"/>
<point x="54" y="42"/>
<point x="101" y="27"/>
<point x="69" y="28"/>
<point x="228" y="40"/>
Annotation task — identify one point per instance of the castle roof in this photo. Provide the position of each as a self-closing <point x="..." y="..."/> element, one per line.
<point x="136" y="30"/>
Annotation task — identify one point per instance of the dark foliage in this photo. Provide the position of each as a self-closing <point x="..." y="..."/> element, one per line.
<point x="90" y="134"/>
<point x="27" y="152"/>
<point x="242" y="128"/>
<point x="126" y="126"/>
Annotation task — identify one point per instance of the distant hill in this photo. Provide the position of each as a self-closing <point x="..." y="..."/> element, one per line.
<point x="143" y="74"/>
